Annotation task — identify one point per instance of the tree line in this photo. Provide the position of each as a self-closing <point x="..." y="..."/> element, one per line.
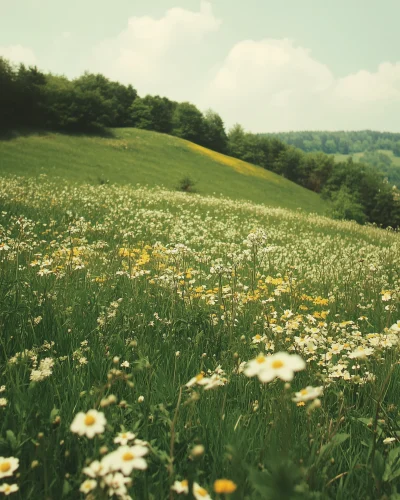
<point x="93" y="103"/>
<point x="341" y="141"/>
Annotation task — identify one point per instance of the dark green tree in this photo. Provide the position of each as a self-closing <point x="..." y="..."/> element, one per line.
<point x="214" y="132"/>
<point x="161" y="112"/>
<point x="345" y="205"/>
<point x="188" y="123"/>
<point x="30" y="88"/>
<point x="237" y="141"/>
<point x="141" y="116"/>
<point x="8" y="95"/>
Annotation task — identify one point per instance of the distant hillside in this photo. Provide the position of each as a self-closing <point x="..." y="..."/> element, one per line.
<point x="137" y="156"/>
<point x="341" y="142"/>
<point x="92" y="103"/>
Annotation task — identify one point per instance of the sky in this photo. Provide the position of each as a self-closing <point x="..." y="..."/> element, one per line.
<point x="269" y="65"/>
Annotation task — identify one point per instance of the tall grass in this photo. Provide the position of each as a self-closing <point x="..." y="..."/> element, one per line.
<point x="115" y="299"/>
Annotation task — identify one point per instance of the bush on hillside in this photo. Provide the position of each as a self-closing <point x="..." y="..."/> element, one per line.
<point x="186" y="184"/>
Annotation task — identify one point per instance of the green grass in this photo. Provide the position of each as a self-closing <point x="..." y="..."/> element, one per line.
<point x="129" y="293"/>
<point x="134" y="156"/>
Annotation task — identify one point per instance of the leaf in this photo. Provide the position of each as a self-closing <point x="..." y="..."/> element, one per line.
<point x="365" y="421"/>
<point x="53" y="414"/>
<point x="392" y="469"/>
<point x="337" y="440"/>
<point x="66" y="488"/>
<point x="12" y="440"/>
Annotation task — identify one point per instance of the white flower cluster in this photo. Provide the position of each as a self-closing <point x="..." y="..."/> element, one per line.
<point x="43" y="371"/>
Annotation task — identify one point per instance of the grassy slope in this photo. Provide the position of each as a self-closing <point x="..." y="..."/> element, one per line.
<point x="137" y="156"/>
<point x="247" y="430"/>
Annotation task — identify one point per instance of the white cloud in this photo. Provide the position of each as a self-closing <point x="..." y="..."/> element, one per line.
<point x="371" y="87"/>
<point x="19" y="54"/>
<point x="269" y="84"/>
<point x="275" y="85"/>
<point x="266" y="85"/>
<point x="269" y="65"/>
<point x="159" y="55"/>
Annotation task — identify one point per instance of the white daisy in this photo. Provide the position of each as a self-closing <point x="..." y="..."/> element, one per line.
<point x="361" y="352"/>
<point x="87" y="486"/>
<point x="7" y="489"/>
<point x="8" y="466"/>
<point x="116" y="484"/>
<point x="388" y="440"/>
<point x="95" y="469"/>
<point x="126" y="458"/>
<point x="281" y="365"/>
<point x="308" y="394"/>
<point x="255" y="366"/>
<point x="200" y="493"/>
<point x="181" y="486"/>
<point x="124" y="438"/>
<point x="89" y="424"/>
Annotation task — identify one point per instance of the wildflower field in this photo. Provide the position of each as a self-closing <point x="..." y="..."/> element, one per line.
<point x="162" y="345"/>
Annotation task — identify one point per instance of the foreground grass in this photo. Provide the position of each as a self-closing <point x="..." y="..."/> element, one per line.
<point x="114" y="298"/>
<point x="131" y="156"/>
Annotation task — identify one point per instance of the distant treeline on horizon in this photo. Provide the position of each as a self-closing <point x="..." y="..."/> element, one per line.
<point x="92" y="103"/>
<point x="342" y="142"/>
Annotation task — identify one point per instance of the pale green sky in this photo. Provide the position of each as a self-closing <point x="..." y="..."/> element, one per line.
<point x="270" y="65"/>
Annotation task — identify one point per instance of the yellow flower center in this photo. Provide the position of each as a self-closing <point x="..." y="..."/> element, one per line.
<point x="277" y="364"/>
<point x="199" y="377"/>
<point x="128" y="456"/>
<point x="89" y="420"/>
<point x="5" y="467"/>
<point x="202" y="492"/>
<point x="260" y="359"/>
<point x="184" y="483"/>
<point x="303" y="392"/>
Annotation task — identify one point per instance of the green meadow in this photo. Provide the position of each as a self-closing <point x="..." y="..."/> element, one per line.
<point x="158" y="344"/>
<point x="131" y="156"/>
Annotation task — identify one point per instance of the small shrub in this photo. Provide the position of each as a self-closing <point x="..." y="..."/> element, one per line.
<point x="186" y="185"/>
<point x="102" y="181"/>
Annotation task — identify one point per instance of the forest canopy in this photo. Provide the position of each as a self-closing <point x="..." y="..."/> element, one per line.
<point x="342" y="142"/>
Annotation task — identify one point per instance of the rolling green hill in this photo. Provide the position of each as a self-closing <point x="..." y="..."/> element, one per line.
<point x="137" y="156"/>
